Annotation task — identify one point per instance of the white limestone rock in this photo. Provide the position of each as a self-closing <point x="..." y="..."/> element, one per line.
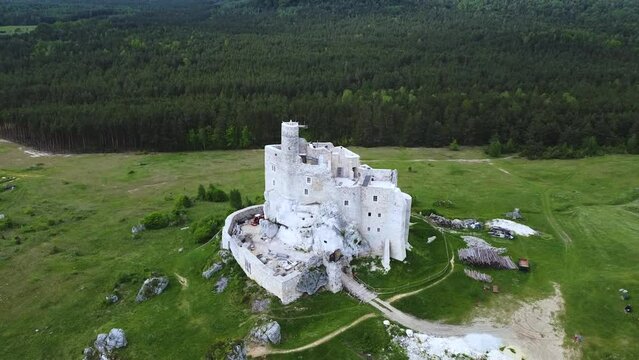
<point x="116" y="339"/>
<point x="151" y="287"/>
<point x="237" y="353"/>
<point x="105" y="344"/>
<point x="221" y="284"/>
<point x="334" y="276"/>
<point x="100" y="343"/>
<point x="269" y="332"/>
<point x="208" y="273"/>
<point x="88" y="353"/>
<point x="136" y="229"/>
<point x="268" y="229"/>
<point x="225" y="255"/>
<point x="112" y="299"/>
<point x="354" y="243"/>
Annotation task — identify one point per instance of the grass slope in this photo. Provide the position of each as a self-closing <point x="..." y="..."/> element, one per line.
<point x="72" y="244"/>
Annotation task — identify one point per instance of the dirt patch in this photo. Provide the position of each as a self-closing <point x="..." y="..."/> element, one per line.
<point x="182" y="280"/>
<point x="36" y="154"/>
<point x="534" y="328"/>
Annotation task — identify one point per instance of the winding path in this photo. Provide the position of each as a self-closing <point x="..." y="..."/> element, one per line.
<point x="259" y="351"/>
<point x="525" y="329"/>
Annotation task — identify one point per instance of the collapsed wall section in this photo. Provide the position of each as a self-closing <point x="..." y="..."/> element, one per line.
<point x="284" y="287"/>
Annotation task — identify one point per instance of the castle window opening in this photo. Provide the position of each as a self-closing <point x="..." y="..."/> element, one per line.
<point x="374" y="197"/>
<point x="305" y="191"/>
<point x="345" y="202"/>
<point x="369" y="214"/>
<point x="379" y="215"/>
<point x="308" y="180"/>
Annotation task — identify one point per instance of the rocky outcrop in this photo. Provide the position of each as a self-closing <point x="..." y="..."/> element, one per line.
<point x="208" y="273"/>
<point x="268" y="229"/>
<point x="237" y="353"/>
<point x="313" y="262"/>
<point x="225" y="255"/>
<point x="88" y="353"/>
<point x="267" y="333"/>
<point x="105" y="344"/>
<point x="312" y="280"/>
<point x="152" y="287"/>
<point x="221" y="284"/>
<point x="112" y="299"/>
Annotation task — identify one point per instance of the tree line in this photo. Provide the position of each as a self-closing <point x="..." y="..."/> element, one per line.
<point x="549" y="78"/>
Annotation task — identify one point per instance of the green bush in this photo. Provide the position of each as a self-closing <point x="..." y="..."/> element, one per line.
<point x="205" y="228"/>
<point x="454" y="146"/>
<point x="235" y="198"/>
<point x="6" y="224"/>
<point x="494" y="149"/>
<point x="183" y="202"/>
<point x="510" y="147"/>
<point x="155" y="220"/>
<point x="201" y="192"/>
<point x="219" y="196"/>
<point x="216" y="195"/>
<point x="633" y="144"/>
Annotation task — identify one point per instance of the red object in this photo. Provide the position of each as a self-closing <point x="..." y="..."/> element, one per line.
<point x="256" y="219"/>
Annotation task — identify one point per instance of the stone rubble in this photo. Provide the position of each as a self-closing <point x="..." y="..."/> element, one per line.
<point x="238" y="353"/>
<point x="151" y="287"/>
<point x="221" y="284"/>
<point x="208" y="273"/>
<point x="112" y="299"/>
<point x="268" y="333"/>
<point x="311" y="281"/>
<point x="105" y="344"/>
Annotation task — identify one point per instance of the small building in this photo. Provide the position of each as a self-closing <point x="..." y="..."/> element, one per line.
<point x="524" y="265"/>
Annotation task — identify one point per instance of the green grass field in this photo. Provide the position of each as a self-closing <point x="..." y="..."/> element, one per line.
<point x="16" y="29"/>
<point x="71" y="244"/>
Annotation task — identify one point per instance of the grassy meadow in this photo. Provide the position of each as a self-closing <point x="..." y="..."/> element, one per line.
<point x="70" y="245"/>
<point x="16" y="29"/>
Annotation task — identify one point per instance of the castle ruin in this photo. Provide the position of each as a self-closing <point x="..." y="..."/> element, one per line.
<point x="323" y="208"/>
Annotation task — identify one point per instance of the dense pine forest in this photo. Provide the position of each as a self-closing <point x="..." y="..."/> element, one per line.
<point x="548" y="78"/>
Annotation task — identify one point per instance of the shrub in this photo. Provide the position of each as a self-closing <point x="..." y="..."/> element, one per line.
<point x="510" y="147"/>
<point x="235" y="198"/>
<point x="633" y="145"/>
<point x="215" y="195"/>
<point x="494" y="149"/>
<point x="219" y="196"/>
<point x="201" y="192"/>
<point x="155" y="220"/>
<point x="183" y="202"/>
<point x="6" y="224"/>
<point x="590" y="147"/>
<point x="205" y="228"/>
<point x="454" y="146"/>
